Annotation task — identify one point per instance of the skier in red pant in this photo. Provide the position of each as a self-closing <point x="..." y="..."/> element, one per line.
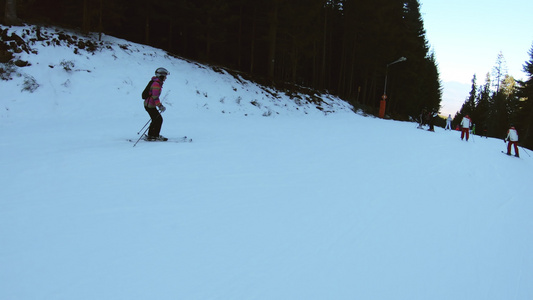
<point x="465" y="127"/>
<point x="512" y="138"/>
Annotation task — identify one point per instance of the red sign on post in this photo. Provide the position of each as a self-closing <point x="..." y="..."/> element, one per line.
<point x="382" y="105"/>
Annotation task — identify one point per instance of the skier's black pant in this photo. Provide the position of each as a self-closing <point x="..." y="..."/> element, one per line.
<point x="157" y="121"/>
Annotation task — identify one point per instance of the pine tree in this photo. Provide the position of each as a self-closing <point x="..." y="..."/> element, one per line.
<point x="502" y="100"/>
<point x="525" y="117"/>
<point x="483" y="105"/>
<point x="470" y="104"/>
<point x="420" y="84"/>
<point x="499" y="115"/>
<point x="499" y="71"/>
<point x="509" y="90"/>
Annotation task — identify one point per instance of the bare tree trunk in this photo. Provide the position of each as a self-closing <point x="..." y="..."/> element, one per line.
<point x="252" y="46"/>
<point x="272" y="34"/>
<point x="322" y="82"/>
<point x="351" y="78"/>
<point x="170" y="36"/>
<point x="342" y="71"/>
<point x="239" y="39"/>
<point x="147" y="23"/>
<point x="11" y="13"/>
<point x="147" y="31"/>
<point x="100" y="22"/>
<point x="85" y="26"/>
<point x="208" y="39"/>
<point x="294" y="61"/>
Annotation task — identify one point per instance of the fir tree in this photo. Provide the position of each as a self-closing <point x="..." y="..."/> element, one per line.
<point x="483" y="105"/>
<point x="470" y="104"/>
<point x="525" y="92"/>
<point x="499" y="71"/>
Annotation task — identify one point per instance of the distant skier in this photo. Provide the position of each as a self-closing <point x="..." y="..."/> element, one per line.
<point x="431" y="120"/>
<point x="153" y="103"/>
<point x="512" y="138"/>
<point x="485" y="129"/>
<point x="465" y="125"/>
<point x="448" y="123"/>
<point x="422" y="118"/>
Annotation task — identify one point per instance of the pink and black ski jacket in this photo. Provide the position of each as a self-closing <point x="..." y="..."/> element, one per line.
<point x="155" y="91"/>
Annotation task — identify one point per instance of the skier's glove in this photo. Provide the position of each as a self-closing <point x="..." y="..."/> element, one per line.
<point x="162" y="108"/>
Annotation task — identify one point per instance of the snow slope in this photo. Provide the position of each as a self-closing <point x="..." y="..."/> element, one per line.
<point x="274" y="198"/>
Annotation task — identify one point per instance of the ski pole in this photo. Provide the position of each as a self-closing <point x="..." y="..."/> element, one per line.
<point x="525" y="151"/>
<point x="144" y="126"/>
<point x="145" y="129"/>
<point x="141" y="136"/>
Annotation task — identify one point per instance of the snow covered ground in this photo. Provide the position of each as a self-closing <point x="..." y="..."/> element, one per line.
<point x="274" y="198"/>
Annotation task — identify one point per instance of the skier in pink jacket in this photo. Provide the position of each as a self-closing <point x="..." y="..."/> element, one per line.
<point x="153" y="103"/>
<point x="512" y="138"/>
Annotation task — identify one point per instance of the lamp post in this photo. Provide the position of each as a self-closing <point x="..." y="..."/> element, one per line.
<point x="383" y="102"/>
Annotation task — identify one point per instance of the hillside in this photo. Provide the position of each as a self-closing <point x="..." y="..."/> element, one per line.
<point x="65" y="56"/>
<point x="279" y="196"/>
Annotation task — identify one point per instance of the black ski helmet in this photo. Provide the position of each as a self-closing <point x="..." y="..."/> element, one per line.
<point x="161" y="72"/>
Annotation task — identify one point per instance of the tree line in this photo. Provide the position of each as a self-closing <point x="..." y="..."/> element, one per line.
<point x="501" y="101"/>
<point x="339" y="46"/>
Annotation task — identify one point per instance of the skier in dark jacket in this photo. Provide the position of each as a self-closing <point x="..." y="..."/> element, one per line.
<point x="431" y="120"/>
<point x="422" y="118"/>
<point x="153" y="105"/>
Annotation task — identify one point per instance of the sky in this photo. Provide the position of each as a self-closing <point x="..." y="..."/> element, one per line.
<point x="275" y="197"/>
<point x="467" y="37"/>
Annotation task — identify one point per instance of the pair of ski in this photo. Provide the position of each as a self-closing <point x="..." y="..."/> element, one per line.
<point x="510" y="154"/>
<point x="183" y="139"/>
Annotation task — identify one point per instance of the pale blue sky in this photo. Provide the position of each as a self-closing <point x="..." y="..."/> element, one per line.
<point x="468" y="35"/>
